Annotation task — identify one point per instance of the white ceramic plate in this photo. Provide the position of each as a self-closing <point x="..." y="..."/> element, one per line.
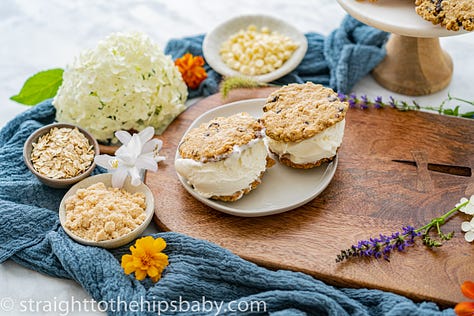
<point x="106" y="178"/>
<point x="282" y="188"/>
<point x="394" y="16"/>
<point x="214" y="39"/>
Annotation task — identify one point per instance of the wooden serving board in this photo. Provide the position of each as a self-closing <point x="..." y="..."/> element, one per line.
<point x="369" y="194"/>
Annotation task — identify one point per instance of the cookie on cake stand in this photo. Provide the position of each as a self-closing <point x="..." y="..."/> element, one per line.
<point x="415" y="63"/>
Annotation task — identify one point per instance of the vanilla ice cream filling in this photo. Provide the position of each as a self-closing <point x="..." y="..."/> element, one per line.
<point x="320" y="146"/>
<point x="227" y="176"/>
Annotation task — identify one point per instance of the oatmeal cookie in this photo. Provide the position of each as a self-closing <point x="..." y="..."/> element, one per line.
<point x="215" y="140"/>
<point x="225" y="158"/>
<point x="300" y="111"/>
<point x="452" y="14"/>
<point x="304" y="124"/>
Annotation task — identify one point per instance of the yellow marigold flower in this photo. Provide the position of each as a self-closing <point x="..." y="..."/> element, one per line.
<point x="146" y="258"/>
<point x="191" y="69"/>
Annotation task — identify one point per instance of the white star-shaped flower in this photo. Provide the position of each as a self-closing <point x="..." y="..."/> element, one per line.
<point x="138" y="152"/>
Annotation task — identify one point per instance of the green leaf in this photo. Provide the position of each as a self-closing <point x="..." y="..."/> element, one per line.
<point x="448" y="112"/>
<point x="468" y="115"/>
<point x="456" y="111"/>
<point x="40" y="87"/>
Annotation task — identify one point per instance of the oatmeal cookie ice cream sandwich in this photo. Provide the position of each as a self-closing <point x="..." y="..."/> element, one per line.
<point x="225" y="158"/>
<point x="304" y="124"/>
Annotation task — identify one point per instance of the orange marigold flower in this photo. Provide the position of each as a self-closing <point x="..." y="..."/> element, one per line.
<point x="191" y="69"/>
<point x="466" y="308"/>
<point x="467" y="288"/>
<point x="146" y="258"/>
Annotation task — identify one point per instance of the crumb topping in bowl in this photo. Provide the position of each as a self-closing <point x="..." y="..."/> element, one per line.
<point x="98" y="213"/>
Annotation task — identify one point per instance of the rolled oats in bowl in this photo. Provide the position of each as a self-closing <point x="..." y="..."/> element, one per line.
<point x="60" y="154"/>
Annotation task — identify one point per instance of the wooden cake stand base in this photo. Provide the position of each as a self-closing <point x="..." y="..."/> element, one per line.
<point x="415" y="63"/>
<point x="414" y="66"/>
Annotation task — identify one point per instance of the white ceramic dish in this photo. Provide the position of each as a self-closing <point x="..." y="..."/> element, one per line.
<point x="214" y="39"/>
<point x="395" y="16"/>
<point x="107" y="180"/>
<point x="57" y="183"/>
<point x="282" y="188"/>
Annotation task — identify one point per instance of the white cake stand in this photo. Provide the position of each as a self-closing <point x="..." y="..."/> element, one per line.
<point x="415" y="63"/>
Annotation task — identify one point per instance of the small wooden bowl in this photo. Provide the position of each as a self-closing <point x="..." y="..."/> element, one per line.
<point x="57" y="183"/>
<point x="106" y="178"/>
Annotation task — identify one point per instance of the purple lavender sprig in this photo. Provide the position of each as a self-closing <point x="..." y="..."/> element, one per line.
<point x="383" y="246"/>
<point x="363" y="103"/>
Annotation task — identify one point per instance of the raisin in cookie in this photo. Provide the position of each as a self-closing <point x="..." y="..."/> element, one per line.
<point x="452" y="14"/>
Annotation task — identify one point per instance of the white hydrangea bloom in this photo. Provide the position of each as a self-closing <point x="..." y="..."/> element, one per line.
<point x="125" y="83"/>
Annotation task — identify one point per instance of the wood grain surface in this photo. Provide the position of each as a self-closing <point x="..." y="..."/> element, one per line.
<point x="414" y="66"/>
<point x="368" y="195"/>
